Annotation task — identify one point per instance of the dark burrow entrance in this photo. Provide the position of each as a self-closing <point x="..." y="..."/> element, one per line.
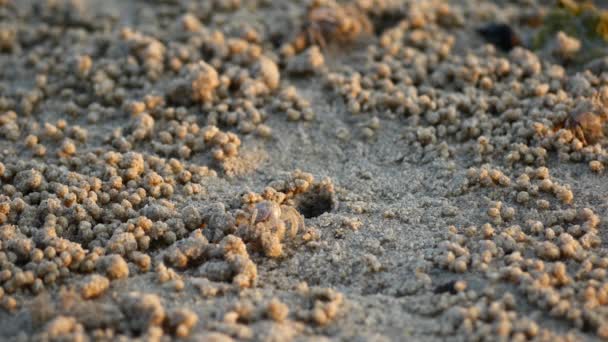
<point x="316" y="204"/>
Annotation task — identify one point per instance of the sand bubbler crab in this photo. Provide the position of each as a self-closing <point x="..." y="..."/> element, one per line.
<point x="267" y="223"/>
<point x="587" y="121"/>
<point x="326" y="21"/>
<point x="586" y="127"/>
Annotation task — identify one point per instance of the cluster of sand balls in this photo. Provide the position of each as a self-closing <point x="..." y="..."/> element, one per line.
<point x="389" y="80"/>
<point x="293" y="105"/>
<point x="104" y="224"/>
<point x="210" y="238"/>
<point x="111" y="149"/>
<point x="90" y="223"/>
<point x="109" y="145"/>
<point x="552" y="259"/>
<point x="491" y="316"/>
<point x="514" y="112"/>
<point x="512" y="104"/>
<point x="197" y="75"/>
<point x="102" y="218"/>
<point x="316" y="304"/>
<point x="227" y="261"/>
<point x="148" y="318"/>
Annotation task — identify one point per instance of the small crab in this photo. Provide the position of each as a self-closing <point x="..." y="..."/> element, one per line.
<point x="326" y="22"/>
<point x="586" y="127"/>
<point x="586" y="121"/>
<point x="266" y="223"/>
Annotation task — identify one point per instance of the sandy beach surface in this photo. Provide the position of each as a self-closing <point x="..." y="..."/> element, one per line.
<point x="259" y="170"/>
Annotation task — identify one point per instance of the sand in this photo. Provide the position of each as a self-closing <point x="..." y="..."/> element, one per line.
<point x="294" y="170"/>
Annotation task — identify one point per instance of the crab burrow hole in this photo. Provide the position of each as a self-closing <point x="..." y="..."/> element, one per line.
<point x="317" y="202"/>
